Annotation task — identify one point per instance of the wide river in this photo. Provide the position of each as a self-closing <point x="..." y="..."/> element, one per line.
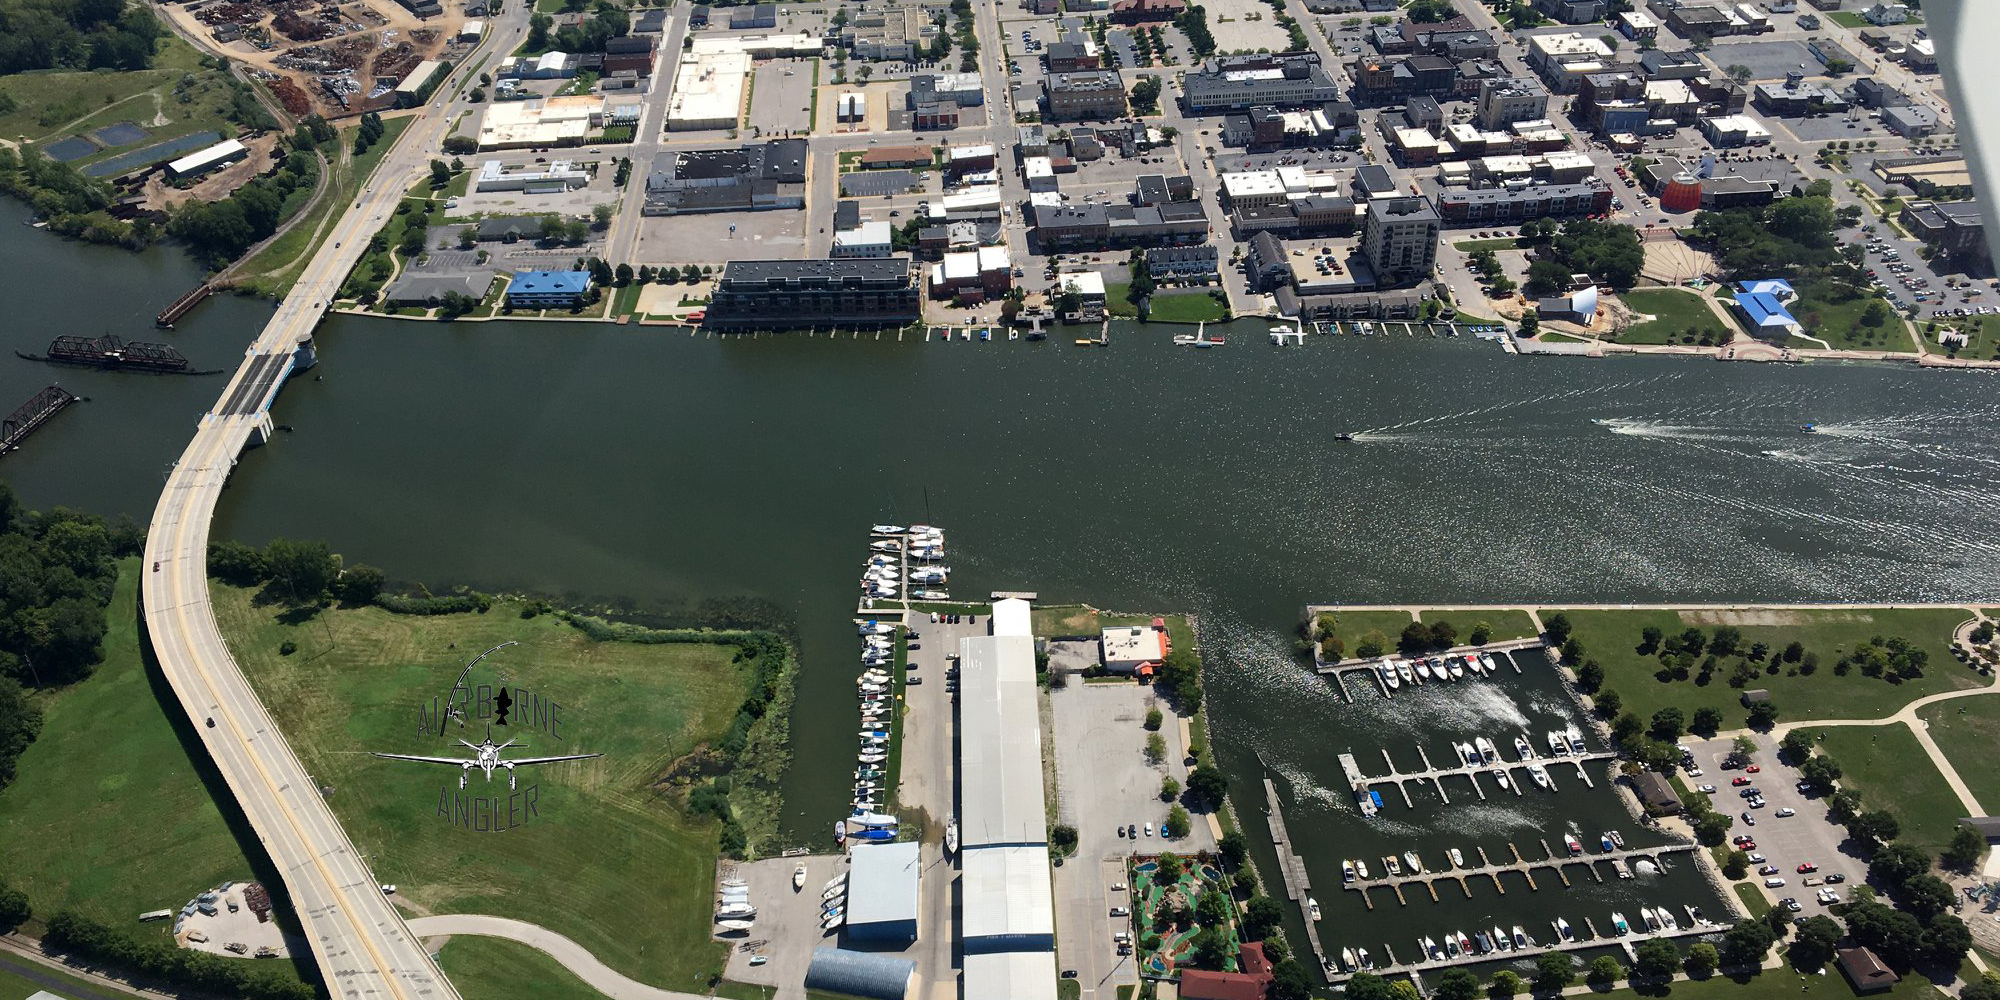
<point x="657" y="471"/>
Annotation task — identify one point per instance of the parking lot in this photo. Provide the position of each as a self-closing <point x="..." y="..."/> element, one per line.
<point x="1767" y="60"/>
<point x="782" y="101"/>
<point x="1807" y="836"/>
<point x="1102" y="773"/>
<point x="704" y="237"/>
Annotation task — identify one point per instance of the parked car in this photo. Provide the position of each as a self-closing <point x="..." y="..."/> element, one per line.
<point x="1835" y="879"/>
<point x="1774" y="882"/>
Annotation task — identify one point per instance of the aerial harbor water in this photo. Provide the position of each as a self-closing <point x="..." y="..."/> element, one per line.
<point x="652" y="470"/>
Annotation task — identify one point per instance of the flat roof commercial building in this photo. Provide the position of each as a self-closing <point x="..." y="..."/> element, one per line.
<point x="882" y="892"/>
<point x="421" y="82"/>
<point x="558" y="175"/>
<point x="547" y="121"/>
<point x="204" y="160"/>
<point x="789" y="294"/>
<point x="1008" y="928"/>
<point x="708" y="91"/>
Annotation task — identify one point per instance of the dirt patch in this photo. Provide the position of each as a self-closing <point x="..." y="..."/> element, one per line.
<point x="1772" y="616"/>
<point x="216" y="186"/>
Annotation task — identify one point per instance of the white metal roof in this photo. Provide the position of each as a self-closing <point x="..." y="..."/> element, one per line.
<point x="205" y="158"/>
<point x="1010" y="976"/>
<point x="882" y="883"/>
<point x="1011" y="616"/>
<point x="1006" y="894"/>
<point x="1000" y="742"/>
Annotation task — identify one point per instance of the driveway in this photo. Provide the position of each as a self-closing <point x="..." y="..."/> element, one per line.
<point x="1807" y="836"/>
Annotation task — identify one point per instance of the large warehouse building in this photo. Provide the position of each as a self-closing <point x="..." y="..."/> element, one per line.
<point x="882" y="893"/>
<point x="1009" y="915"/>
<point x="708" y="91"/>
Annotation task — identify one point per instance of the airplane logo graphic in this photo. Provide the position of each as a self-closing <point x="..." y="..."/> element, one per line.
<point x="487" y="758"/>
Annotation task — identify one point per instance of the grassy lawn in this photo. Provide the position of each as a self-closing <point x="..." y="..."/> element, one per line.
<point x="20" y="977"/>
<point x="1502" y="624"/>
<point x="1984" y="331"/>
<point x="1611" y="638"/>
<point x="1116" y="303"/>
<point x="625" y="301"/>
<point x="272" y="271"/>
<point x="484" y="968"/>
<point x="1474" y="246"/>
<point x="1186" y="307"/>
<point x="1891" y="771"/>
<point x="1675" y="312"/>
<point x="1350" y="626"/>
<point x="1966" y="730"/>
<point x="1825" y="313"/>
<point x="1082" y="619"/>
<point x="1752" y="897"/>
<point x="111" y="750"/>
<point x="608" y="852"/>
<point x="53" y="105"/>
<point x="1853" y="18"/>
<point x="1773" y="984"/>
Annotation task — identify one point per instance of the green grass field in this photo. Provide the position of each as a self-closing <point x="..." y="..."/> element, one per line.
<point x="52" y="105"/>
<point x="110" y="814"/>
<point x="1752" y="897"/>
<point x="20" y="978"/>
<point x="1186" y="307"/>
<point x="484" y="968"/>
<point x="1502" y="624"/>
<point x="1838" y="322"/>
<point x="1967" y="729"/>
<point x="1350" y="626"/>
<point x="1854" y="19"/>
<point x="609" y="861"/>
<point x="1675" y="310"/>
<point x="272" y="270"/>
<point x="1890" y="770"/>
<point x="1784" y="983"/>
<point x="1610" y="637"/>
<point x="1984" y="332"/>
<point x="1474" y="246"/>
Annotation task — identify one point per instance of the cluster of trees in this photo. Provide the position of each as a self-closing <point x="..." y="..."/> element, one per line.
<point x="1790" y="237"/>
<point x="369" y="133"/>
<point x="76" y="34"/>
<point x="1487" y="263"/>
<point x="1193" y="22"/>
<point x="1180" y="677"/>
<point x="1607" y="251"/>
<point x="72" y="933"/>
<point x="217" y="232"/>
<point x="303" y="574"/>
<point x="1693" y="654"/>
<point x="1146" y="95"/>
<point x="1430" y="11"/>
<point x="963" y="33"/>
<point x="72" y="204"/>
<point x="590" y="35"/>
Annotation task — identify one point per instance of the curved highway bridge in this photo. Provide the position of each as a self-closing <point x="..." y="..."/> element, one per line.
<point x="364" y="949"/>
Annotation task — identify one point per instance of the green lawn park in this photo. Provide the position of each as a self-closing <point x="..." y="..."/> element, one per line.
<point x="1773" y="984"/>
<point x="484" y="968"/>
<point x="1967" y="730"/>
<point x="1192" y="306"/>
<point x="609" y="850"/>
<point x="1677" y="311"/>
<point x="1611" y="637"/>
<point x="1890" y="770"/>
<point x="1830" y="316"/>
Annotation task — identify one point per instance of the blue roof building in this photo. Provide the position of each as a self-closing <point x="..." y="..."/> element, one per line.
<point x="1776" y="287"/>
<point x="544" y="289"/>
<point x="1766" y="313"/>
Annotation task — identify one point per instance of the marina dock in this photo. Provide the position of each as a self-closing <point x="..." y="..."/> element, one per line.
<point x="1363" y="783"/>
<point x="1292" y="868"/>
<point x="1628" y="941"/>
<point x="1490" y="869"/>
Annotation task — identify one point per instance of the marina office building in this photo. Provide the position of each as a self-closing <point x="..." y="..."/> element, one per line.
<point x="1008" y="926"/>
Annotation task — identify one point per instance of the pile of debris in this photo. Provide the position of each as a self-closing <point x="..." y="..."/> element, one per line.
<point x="295" y="100"/>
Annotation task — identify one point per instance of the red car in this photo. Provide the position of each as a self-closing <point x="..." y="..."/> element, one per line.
<point x="1753" y="769"/>
<point x="1808" y="867"/>
<point x="1739" y="781"/>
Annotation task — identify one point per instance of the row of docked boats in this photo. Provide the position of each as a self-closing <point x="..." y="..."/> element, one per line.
<point x="1482" y="752"/>
<point x="1395" y="672"/>
<point x="876" y="686"/>
<point x="733" y="912"/>
<point x="832" y="901"/>
<point x="902" y="558"/>
<point x="1457" y="945"/>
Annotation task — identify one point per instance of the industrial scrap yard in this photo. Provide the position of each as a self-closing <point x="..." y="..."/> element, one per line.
<point x="325" y="58"/>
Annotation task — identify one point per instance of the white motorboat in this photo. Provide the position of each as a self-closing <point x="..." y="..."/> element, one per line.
<point x="1521" y="937"/>
<point x="1457" y="672"/>
<point x="1403" y="668"/>
<point x="1361" y="869"/>
<point x="1413" y="864"/>
<point x="1347" y="870"/>
<point x="872" y="820"/>
<point x="1423" y="670"/>
<point x="1312" y="908"/>
<point x="885" y="545"/>
<point x="873" y="758"/>
<point x="798" y="878"/>
<point x="924" y="529"/>
<point x="1523" y="748"/>
<point x="1465" y="943"/>
<point x="1457" y="857"/>
<point x="830" y="921"/>
<point x="928" y="575"/>
<point x="1541" y="776"/>
<point x="931" y="595"/>
<point x="735" y="926"/>
<point x="1431" y="948"/>
<point x="889" y="529"/>
<point x="1558" y="745"/>
<point x="1366" y="962"/>
<point x="1388" y="675"/>
<point x="1501" y="940"/>
<point x="1695" y="919"/>
<point x="736" y="911"/>
<point x="1652" y="920"/>
<point x="1466" y="752"/>
<point x="1487" y="751"/>
<point x="837" y="880"/>
<point x="1617" y="839"/>
<point x="1619" y="926"/>
<point x="1500" y="775"/>
<point x="1573" y="845"/>
<point x="1667" y="918"/>
<point x="1575" y="741"/>
<point x="1394" y="867"/>
<point x="876" y="628"/>
<point x="1486" y="663"/>
<point x="833" y="889"/>
<point x="1564" y="931"/>
<point x="1348" y="961"/>
<point x="951" y="837"/>
<point x="1451" y="946"/>
<point x="734" y="883"/>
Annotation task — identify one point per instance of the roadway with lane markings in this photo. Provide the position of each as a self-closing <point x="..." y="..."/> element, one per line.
<point x="362" y="946"/>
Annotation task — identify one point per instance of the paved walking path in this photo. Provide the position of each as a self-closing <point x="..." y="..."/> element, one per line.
<point x="571" y="955"/>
